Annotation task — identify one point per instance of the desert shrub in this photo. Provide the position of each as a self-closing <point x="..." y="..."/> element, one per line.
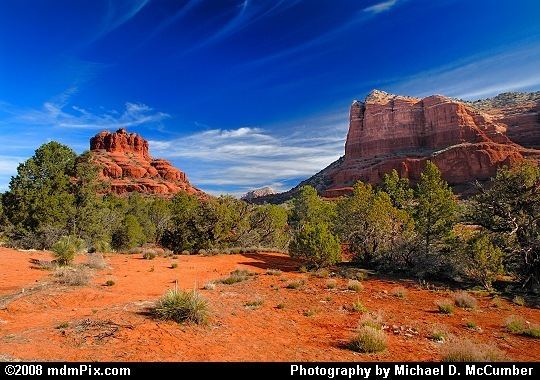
<point x="331" y="284"/>
<point x="464" y="300"/>
<point x="237" y="275"/>
<point x="354" y="285"/>
<point x="295" y="284"/>
<point x="438" y="335"/>
<point x="471" y="325"/>
<point x="460" y="350"/>
<point x="129" y="234"/>
<point x="149" y="254"/>
<point x="273" y="272"/>
<point x="73" y="276"/>
<point x="280" y="306"/>
<point x="254" y="304"/>
<point x="373" y="320"/>
<point x="358" y="306"/>
<point x="508" y="207"/>
<point x="445" y="306"/>
<point x="209" y="286"/>
<point x="66" y="248"/>
<point x="174" y="265"/>
<point x="368" y="340"/>
<point x="519" y="300"/>
<point x="321" y="273"/>
<point x="315" y="244"/>
<point x="96" y="261"/>
<point x="109" y="283"/>
<point x="182" y="306"/>
<point x="479" y="259"/>
<point x="62" y="326"/>
<point x="399" y="292"/>
<point x="309" y="313"/>
<point x="518" y="325"/>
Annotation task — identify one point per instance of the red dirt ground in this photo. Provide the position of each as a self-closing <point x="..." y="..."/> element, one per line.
<point x="103" y="323"/>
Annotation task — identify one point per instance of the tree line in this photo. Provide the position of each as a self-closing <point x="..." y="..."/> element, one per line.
<point x="422" y="230"/>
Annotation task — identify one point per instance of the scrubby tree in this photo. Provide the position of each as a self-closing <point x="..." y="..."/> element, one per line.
<point x="398" y="189"/>
<point x="268" y="226"/>
<point x="129" y="234"/>
<point x="509" y="208"/>
<point x="374" y="229"/>
<point x="308" y="207"/>
<point x="316" y="244"/>
<point x="40" y="203"/>
<point x="435" y="209"/>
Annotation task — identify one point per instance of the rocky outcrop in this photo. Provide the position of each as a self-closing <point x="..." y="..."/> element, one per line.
<point x="388" y="132"/>
<point x="127" y="166"/>
<point x="519" y="111"/>
<point x="257" y="193"/>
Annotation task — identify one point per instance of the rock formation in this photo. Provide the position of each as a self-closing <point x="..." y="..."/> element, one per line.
<point x="126" y="164"/>
<point x="257" y="193"/>
<point x="466" y="142"/>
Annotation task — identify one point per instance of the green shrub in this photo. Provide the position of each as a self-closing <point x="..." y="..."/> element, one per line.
<point x="128" y="234"/>
<point x="237" y="275"/>
<point x="315" y="244"/>
<point x="467" y="351"/>
<point x="445" y="306"/>
<point x="182" y="306"/>
<point x="309" y="313"/>
<point x="66" y="248"/>
<point x="358" y="307"/>
<point x="438" y="336"/>
<point x="368" y="340"/>
<point x="481" y="260"/>
<point x="518" y="325"/>
<point x="471" y="325"/>
<point x="280" y="306"/>
<point x="149" y="255"/>
<point x="174" y="265"/>
<point x="254" y="304"/>
<point x="109" y="283"/>
<point x="296" y="284"/>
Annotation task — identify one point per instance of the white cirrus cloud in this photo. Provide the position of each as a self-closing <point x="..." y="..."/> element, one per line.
<point x="381" y="7"/>
<point x="238" y="160"/>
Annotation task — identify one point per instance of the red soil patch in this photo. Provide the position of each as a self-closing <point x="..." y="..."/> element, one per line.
<point x="100" y="323"/>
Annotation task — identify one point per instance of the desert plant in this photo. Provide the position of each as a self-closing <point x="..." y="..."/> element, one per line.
<point x="518" y="325"/>
<point x="373" y="320"/>
<point x="174" y="265"/>
<point x="331" y="284"/>
<point x="464" y="300"/>
<point x="354" y="285"/>
<point x="237" y="275"/>
<point x="96" y="261"/>
<point x="519" y="300"/>
<point x="471" y="325"/>
<point x="66" y="248"/>
<point x="322" y="273"/>
<point x="461" y="350"/>
<point x="109" y="283"/>
<point x="296" y="284"/>
<point x="72" y="276"/>
<point x="280" y="306"/>
<point x="209" y="286"/>
<point x="399" y="292"/>
<point x="445" y="306"/>
<point x="62" y="326"/>
<point x="273" y="272"/>
<point x="359" y="307"/>
<point x="309" y="313"/>
<point x="149" y="254"/>
<point x="316" y="244"/>
<point x="368" y="340"/>
<point x="254" y="304"/>
<point x="182" y="306"/>
<point x="438" y="335"/>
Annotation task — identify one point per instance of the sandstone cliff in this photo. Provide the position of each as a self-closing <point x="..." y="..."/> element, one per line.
<point x="466" y="142"/>
<point x="126" y="164"/>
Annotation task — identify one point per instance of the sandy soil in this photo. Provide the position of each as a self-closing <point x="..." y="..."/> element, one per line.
<point x="41" y="320"/>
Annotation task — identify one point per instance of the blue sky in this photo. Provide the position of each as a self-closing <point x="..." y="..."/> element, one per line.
<point x="243" y="93"/>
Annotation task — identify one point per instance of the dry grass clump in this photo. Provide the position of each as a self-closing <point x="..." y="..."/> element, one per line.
<point x="209" y="286"/>
<point x="464" y="300"/>
<point x="355" y="286"/>
<point x="322" y="273"/>
<point x="254" y="304"/>
<point x="464" y="350"/>
<point x="182" y="306"/>
<point x="445" y="306"/>
<point x="359" y="307"/>
<point x="368" y="340"/>
<point x="295" y="284"/>
<point x="374" y="320"/>
<point x="519" y="300"/>
<point x="399" y="292"/>
<point x="237" y="275"/>
<point x="72" y="276"/>
<point x="518" y="325"/>
<point x="96" y="261"/>
<point x="273" y="272"/>
<point x="331" y="284"/>
<point x="149" y="254"/>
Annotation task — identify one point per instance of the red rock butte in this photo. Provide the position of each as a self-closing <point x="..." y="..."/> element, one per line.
<point x="126" y="164"/>
<point x="468" y="141"/>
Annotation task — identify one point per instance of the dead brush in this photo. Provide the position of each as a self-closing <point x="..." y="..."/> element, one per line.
<point x="464" y="350"/>
<point x="96" y="261"/>
<point x="73" y="276"/>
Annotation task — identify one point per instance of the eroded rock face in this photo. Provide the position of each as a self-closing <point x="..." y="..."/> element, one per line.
<point x="467" y="141"/>
<point x="126" y="164"/>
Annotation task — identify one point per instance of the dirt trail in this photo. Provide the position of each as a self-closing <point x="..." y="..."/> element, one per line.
<point x="99" y="323"/>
